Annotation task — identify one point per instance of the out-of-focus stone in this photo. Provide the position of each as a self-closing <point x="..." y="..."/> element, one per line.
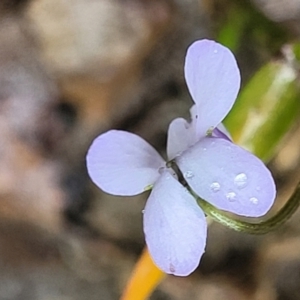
<point x="281" y="11"/>
<point x="84" y="37"/>
<point x="29" y="182"/>
<point x="26" y="90"/>
<point x="203" y="288"/>
<point x="119" y="218"/>
<point x="279" y="267"/>
<point x="288" y="158"/>
<point x="37" y="266"/>
<point x="12" y="6"/>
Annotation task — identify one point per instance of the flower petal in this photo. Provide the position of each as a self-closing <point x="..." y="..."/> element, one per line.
<point x="175" y="227"/>
<point x="122" y="163"/>
<point x="213" y="79"/>
<point x="221" y="132"/>
<point x="228" y="177"/>
<point x="194" y="112"/>
<point x="181" y="135"/>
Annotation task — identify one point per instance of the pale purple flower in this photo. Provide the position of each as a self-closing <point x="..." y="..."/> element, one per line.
<point x="225" y="175"/>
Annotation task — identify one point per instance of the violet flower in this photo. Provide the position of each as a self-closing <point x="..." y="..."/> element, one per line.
<point x="223" y="174"/>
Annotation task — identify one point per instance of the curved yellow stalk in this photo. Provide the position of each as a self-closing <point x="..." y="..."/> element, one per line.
<point x="144" y="279"/>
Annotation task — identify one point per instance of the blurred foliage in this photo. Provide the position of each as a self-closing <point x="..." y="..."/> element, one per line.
<point x="296" y="50"/>
<point x="243" y="24"/>
<point x="266" y="108"/>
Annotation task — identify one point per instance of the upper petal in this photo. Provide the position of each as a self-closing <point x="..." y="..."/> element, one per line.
<point x="175" y="227"/>
<point x="122" y="163"/>
<point x="213" y="79"/>
<point x="181" y="135"/>
<point x="228" y="177"/>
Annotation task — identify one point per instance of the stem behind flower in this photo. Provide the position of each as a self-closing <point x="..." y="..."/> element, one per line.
<point x="262" y="227"/>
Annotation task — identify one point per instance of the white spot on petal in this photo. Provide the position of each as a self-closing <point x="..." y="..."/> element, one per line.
<point x="253" y="200"/>
<point x="231" y="196"/>
<point x="188" y="174"/>
<point x="240" y="180"/>
<point x="215" y="186"/>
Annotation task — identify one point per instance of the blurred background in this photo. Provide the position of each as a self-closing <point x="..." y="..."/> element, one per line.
<point x="72" y="69"/>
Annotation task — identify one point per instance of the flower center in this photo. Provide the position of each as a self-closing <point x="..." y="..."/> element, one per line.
<point x="168" y="168"/>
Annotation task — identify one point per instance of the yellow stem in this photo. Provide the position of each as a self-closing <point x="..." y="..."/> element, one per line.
<point x="144" y="279"/>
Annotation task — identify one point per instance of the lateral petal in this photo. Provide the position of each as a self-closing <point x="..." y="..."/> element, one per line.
<point x="122" y="163"/>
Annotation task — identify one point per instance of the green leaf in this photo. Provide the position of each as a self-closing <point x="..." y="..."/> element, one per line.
<point x="296" y="50"/>
<point x="241" y="27"/>
<point x="266" y="109"/>
<point x="230" y="34"/>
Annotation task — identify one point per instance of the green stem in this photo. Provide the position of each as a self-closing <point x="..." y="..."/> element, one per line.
<point x="253" y="228"/>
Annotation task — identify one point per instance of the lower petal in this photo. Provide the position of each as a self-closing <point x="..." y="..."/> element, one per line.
<point x="175" y="227"/>
<point x="228" y="177"/>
